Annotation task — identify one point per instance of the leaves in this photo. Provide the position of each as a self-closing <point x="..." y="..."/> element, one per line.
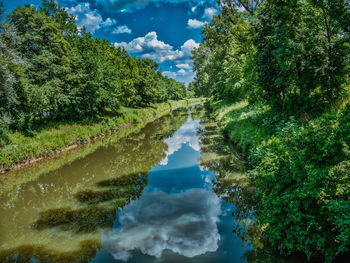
<point x="67" y="74"/>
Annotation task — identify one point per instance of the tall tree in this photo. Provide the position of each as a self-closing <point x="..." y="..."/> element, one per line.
<point x="58" y="14"/>
<point x="220" y="60"/>
<point x="52" y="80"/>
<point x="12" y="67"/>
<point x="102" y="84"/>
<point x="251" y="6"/>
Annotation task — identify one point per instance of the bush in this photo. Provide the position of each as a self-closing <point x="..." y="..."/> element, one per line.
<point x="3" y="133"/>
<point x="302" y="176"/>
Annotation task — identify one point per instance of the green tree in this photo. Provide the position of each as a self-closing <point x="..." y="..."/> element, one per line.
<point x="58" y="14"/>
<point x="220" y="60"/>
<point x="128" y="72"/>
<point x="68" y="74"/>
<point x="53" y="82"/>
<point x="148" y="88"/>
<point x="301" y="59"/>
<point x="101" y="82"/>
<point x="12" y="82"/>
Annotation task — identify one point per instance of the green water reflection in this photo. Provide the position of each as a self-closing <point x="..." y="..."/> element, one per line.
<point x="234" y="186"/>
<point x="60" y="210"/>
<point x="56" y="211"/>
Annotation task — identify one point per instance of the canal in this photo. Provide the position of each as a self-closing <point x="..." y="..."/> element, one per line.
<point x="172" y="191"/>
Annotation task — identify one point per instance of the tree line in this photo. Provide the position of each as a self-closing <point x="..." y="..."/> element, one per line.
<point x="290" y="60"/>
<point x="292" y="55"/>
<point x="50" y="68"/>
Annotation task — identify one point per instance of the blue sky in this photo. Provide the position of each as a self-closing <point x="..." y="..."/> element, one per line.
<point x="163" y="30"/>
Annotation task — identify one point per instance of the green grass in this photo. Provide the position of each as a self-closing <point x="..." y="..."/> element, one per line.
<point x="297" y="166"/>
<point x="55" y="137"/>
<point x="244" y="124"/>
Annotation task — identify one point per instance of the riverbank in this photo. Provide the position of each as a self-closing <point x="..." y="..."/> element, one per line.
<point x="54" y="138"/>
<point x="299" y="166"/>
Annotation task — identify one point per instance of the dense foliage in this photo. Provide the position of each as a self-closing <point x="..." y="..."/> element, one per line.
<point x="49" y="69"/>
<point x="290" y="60"/>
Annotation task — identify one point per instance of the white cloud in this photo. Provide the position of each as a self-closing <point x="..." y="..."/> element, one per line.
<point x="182" y="72"/>
<point x="188" y="46"/>
<point x="209" y="13"/>
<point x="194" y="23"/>
<point x="108" y="22"/>
<point x="193" y="9"/>
<point x="124" y="29"/>
<point x="151" y="47"/>
<point x="240" y="9"/>
<point x="149" y="42"/>
<point x="91" y="19"/>
<point x="184" y="66"/>
<point x="170" y="74"/>
<point x="185" y="223"/>
<point x="184" y="135"/>
<point x="184" y="78"/>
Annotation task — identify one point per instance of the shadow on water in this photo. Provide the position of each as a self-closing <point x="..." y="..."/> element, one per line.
<point x="102" y="205"/>
<point x="57" y="214"/>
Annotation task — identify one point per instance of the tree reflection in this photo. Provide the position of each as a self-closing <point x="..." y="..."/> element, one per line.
<point x="234" y="186"/>
<point x="232" y="183"/>
<point x="67" y="208"/>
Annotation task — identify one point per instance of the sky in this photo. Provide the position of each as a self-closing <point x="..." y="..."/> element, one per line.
<point x="163" y="30"/>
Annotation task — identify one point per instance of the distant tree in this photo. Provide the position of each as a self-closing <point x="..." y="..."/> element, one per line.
<point x="147" y="89"/>
<point x="174" y="89"/>
<point x="128" y="72"/>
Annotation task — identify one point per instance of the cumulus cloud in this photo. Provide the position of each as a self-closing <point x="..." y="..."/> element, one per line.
<point x="194" y="23"/>
<point x="109" y="22"/>
<point x="149" y="42"/>
<point x="171" y="74"/>
<point x="151" y="47"/>
<point x="183" y="66"/>
<point x="179" y="76"/>
<point x="184" y="223"/>
<point x="188" y="46"/>
<point x="209" y="13"/>
<point x="91" y="19"/>
<point x="182" y="72"/>
<point x="184" y="135"/>
<point x="124" y="29"/>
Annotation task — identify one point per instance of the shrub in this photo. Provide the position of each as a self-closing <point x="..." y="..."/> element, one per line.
<point x="300" y="175"/>
<point x="3" y="133"/>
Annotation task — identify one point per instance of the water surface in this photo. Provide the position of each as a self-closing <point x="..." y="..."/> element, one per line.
<point x="172" y="191"/>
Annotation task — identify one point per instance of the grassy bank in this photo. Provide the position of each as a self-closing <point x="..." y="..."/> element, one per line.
<point x="300" y="167"/>
<point x="54" y="138"/>
<point x="242" y="123"/>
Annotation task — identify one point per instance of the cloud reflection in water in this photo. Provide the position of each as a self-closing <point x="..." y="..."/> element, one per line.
<point x="185" y="135"/>
<point x="185" y="223"/>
